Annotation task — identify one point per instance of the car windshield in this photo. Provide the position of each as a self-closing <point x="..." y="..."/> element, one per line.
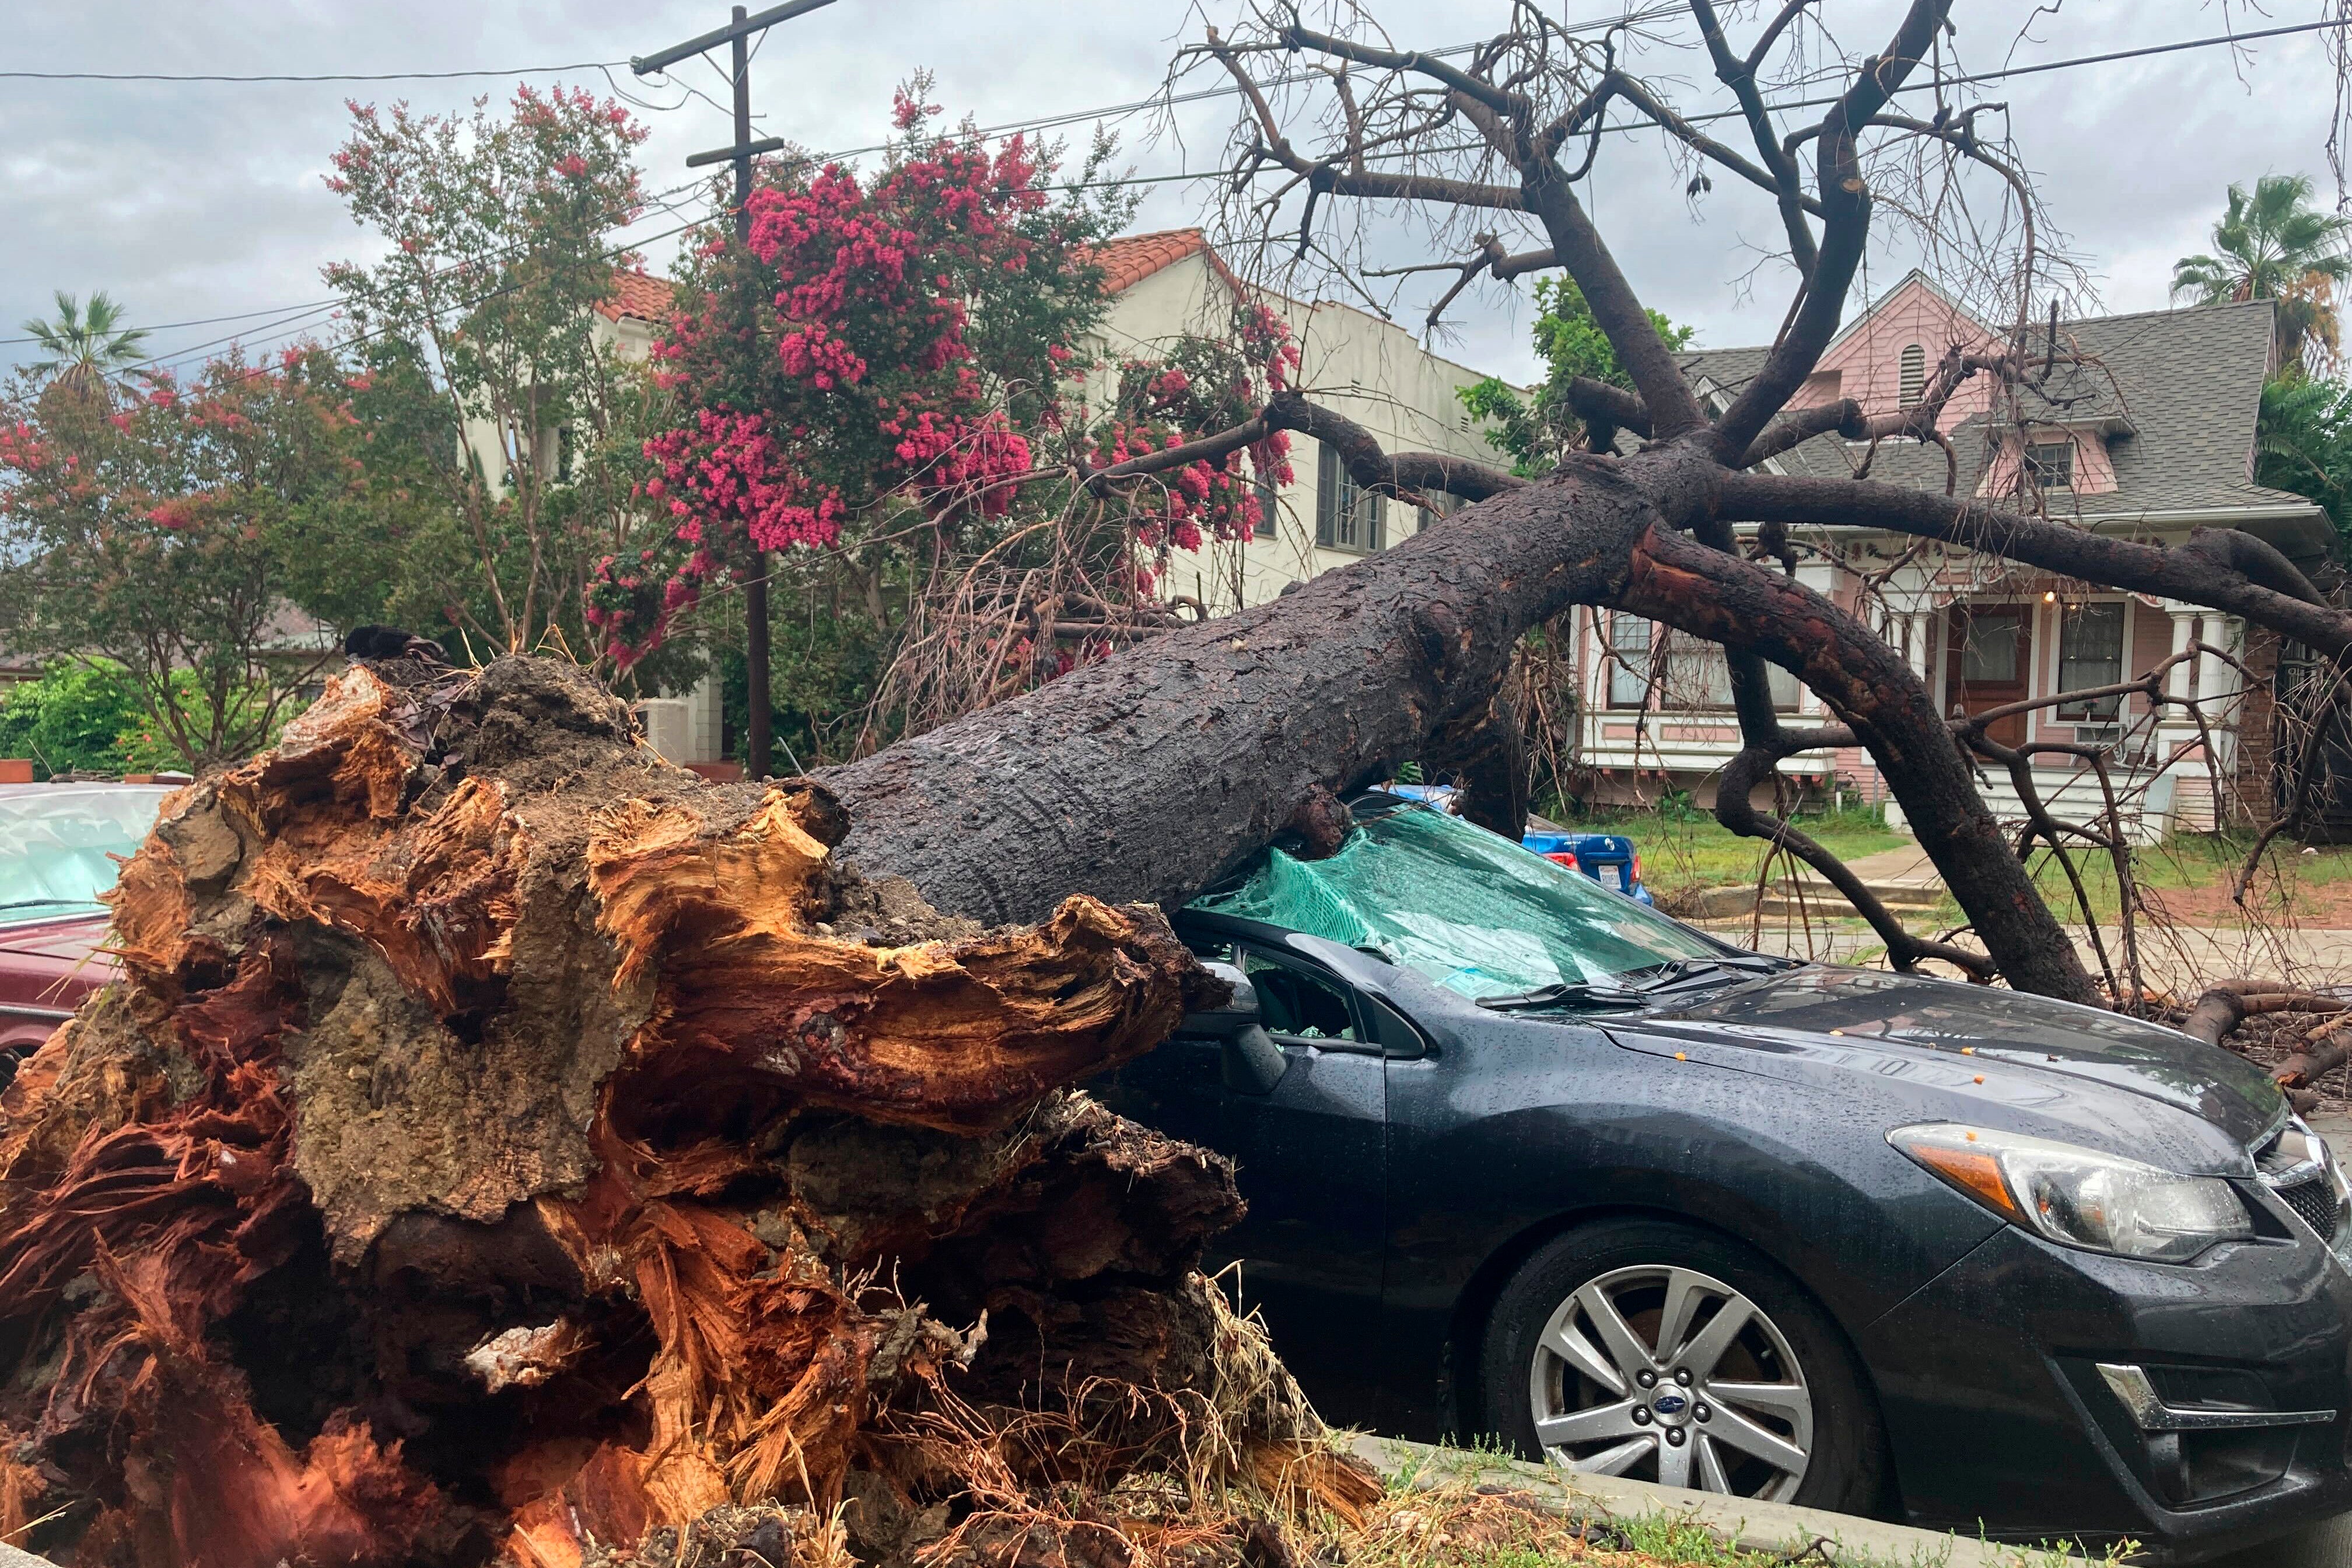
<point x="1461" y="906"/>
<point x="57" y="847"/>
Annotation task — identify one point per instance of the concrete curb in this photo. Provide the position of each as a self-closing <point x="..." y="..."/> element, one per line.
<point x="1753" y="1526"/>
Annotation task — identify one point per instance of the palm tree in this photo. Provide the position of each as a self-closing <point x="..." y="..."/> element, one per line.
<point x="2273" y="245"/>
<point x="89" y="350"/>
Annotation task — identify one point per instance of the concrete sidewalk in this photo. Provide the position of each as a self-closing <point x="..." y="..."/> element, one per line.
<point x="1770" y="1527"/>
<point x="2180" y="959"/>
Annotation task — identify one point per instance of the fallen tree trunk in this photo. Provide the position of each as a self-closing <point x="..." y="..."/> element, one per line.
<point x="502" y="1144"/>
<point x="1149" y="775"/>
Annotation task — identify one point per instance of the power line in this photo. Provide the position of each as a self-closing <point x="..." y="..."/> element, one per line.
<point x="320" y="76"/>
<point x="1712" y="116"/>
<point x="199" y="322"/>
<point x="482" y="299"/>
<point x="178" y="356"/>
<point x="1168" y="100"/>
<point x="1049" y="121"/>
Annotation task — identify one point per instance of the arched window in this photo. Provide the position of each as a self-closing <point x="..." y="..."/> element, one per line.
<point x="1915" y="373"/>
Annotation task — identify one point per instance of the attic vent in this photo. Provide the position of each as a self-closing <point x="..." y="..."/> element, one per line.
<point x="1915" y="374"/>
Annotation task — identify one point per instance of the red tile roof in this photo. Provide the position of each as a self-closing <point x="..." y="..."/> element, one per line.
<point x="1125" y="261"/>
<point x="1132" y="258"/>
<point x="637" y="294"/>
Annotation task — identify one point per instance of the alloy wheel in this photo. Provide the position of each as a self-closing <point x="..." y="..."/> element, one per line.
<point x="1669" y="1375"/>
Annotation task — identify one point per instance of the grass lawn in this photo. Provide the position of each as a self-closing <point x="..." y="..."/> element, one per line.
<point x="1683" y="850"/>
<point x="1466" y="1510"/>
<point x="2190" y="876"/>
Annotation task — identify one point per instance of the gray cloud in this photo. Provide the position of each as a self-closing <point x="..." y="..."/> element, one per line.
<point x="196" y="200"/>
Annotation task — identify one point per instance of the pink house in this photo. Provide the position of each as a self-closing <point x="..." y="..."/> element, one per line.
<point x="2151" y="434"/>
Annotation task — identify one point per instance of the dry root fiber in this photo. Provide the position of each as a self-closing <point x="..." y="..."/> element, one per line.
<point x="502" y="1146"/>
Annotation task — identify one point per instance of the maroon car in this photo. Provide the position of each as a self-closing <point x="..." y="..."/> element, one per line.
<point x="59" y="848"/>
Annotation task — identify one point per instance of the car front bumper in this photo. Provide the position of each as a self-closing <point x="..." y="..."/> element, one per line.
<point x="2001" y="1420"/>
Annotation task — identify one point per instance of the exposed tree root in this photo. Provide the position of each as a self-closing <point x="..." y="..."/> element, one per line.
<point x="502" y="1146"/>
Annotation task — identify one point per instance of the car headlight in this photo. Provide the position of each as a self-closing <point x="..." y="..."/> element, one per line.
<point x="2080" y="1197"/>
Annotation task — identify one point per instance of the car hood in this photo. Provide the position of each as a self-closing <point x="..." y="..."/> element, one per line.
<point x="70" y="940"/>
<point x="2016" y="1057"/>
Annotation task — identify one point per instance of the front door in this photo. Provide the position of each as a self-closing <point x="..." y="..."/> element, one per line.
<point x="1990" y="656"/>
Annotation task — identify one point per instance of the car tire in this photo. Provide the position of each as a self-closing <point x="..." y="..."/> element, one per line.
<point x="1546" y="1354"/>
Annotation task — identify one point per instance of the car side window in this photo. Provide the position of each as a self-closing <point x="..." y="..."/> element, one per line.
<point x="1295" y="1006"/>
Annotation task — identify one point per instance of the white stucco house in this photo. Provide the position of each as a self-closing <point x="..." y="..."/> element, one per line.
<point x="1167" y="285"/>
<point x="1163" y="287"/>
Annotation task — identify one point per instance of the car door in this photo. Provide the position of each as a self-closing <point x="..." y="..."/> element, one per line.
<point x="1310" y="1158"/>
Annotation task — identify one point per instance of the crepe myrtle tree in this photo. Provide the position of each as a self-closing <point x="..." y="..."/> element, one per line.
<point x="1236" y="726"/>
<point x="480" y="310"/>
<point x="155" y="535"/>
<point x="895" y="373"/>
<point x="857" y="375"/>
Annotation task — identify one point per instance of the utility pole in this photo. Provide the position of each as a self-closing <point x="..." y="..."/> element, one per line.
<point x="758" y="742"/>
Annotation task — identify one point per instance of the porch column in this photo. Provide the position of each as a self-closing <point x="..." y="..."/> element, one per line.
<point x="1915" y="644"/>
<point x="2184" y="630"/>
<point x="2223" y="687"/>
<point x="2179" y="797"/>
<point x="1822" y="579"/>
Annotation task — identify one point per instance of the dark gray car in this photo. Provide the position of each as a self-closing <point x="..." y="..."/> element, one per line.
<point x="1525" y="1158"/>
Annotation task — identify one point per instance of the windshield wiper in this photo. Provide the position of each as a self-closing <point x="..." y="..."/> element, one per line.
<point x="1676" y="971"/>
<point x="51" y="903"/>
<point x="1564" y="995"/>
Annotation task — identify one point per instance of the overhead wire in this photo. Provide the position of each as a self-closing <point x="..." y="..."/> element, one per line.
<point x="301" y="76"/>
<point x="307" y="314"/>
<point x="482" y="299"/>
<point x="1159" y="101"/>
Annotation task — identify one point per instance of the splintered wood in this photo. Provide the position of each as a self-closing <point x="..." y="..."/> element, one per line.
<point x="502" y="1146"/>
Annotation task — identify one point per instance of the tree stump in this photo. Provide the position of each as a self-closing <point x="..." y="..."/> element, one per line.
<point x="502" y="1145"/>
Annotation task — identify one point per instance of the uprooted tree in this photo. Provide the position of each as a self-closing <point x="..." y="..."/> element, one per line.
<point x="502" y="1143"/>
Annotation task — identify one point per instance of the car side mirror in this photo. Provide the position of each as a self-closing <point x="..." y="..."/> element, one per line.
<point x="1249" y="1060"/>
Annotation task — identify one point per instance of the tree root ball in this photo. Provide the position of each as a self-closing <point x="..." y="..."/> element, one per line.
<point x="502" y="1146"/>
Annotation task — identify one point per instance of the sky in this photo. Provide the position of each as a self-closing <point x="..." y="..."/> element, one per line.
<point x="191" y="200"/>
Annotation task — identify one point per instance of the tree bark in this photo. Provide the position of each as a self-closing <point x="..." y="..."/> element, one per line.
<point x="1149" y="776"/>
<point x="501" y="1143"/>
<point x="759" y="708"/>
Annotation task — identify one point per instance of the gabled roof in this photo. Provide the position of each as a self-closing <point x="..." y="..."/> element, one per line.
<point x="1862" y="316"/>
<point x="2187" y="383"/>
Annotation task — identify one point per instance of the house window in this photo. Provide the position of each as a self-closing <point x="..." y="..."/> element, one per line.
<point x="1268" y="506"/>
<point x="2051" y="464"/>
<point x="1914" y="384"/>
<point x="1629" y="664"/>
<point x="2091" y="653"/>
<point x="1347" y="516"/>
<point x="1440" y="507"/>
<point x="1695" y="672"/>
<point x="565" y="443"/>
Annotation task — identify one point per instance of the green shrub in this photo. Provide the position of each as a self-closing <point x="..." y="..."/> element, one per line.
<point x="75" y="718"/>
<point x="85" y="716"/>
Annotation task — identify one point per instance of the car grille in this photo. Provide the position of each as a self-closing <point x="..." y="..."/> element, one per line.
<point x="2314" y="1201"/>
<point x="2303" y="1183"/>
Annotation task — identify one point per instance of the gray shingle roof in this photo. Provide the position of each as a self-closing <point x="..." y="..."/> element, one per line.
<point x="2188" y="383"/>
